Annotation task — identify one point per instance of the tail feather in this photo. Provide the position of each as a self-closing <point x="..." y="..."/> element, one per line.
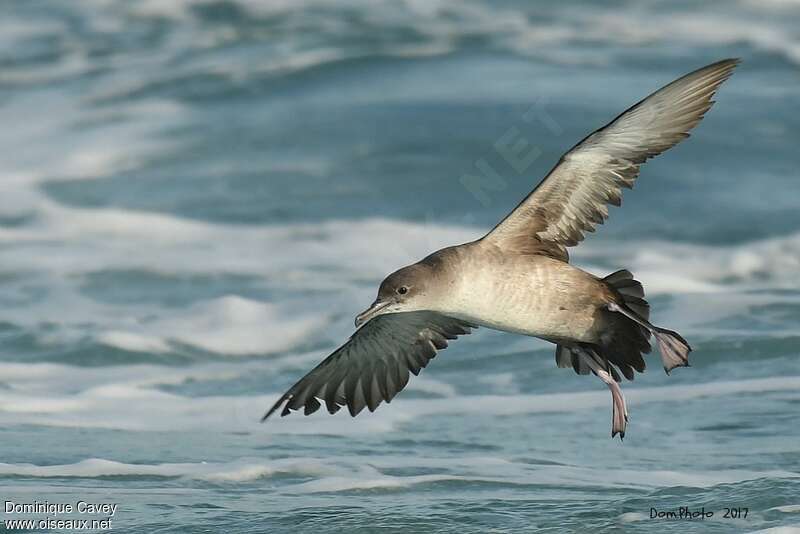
<point x="673" y="348"/>
<point x="565" y="357"/>
<point x="620" y="277"/>
<point x="630" y="290"/>
<point x="629" y="332"/>
<point x="626" y="336"/>
<point x="638" y="305"/>
<point x="627" y="339"/>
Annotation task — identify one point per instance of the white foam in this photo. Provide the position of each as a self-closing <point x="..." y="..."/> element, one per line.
<point x="442" y="25"/>
<point x="352" y="474"/>
<point x="64" y="242"/>
<point x="785" y="529"/>
<point x="501" y="381"/>
<point x="348" y="473"/>
<point x="575" y="401"/>
<point x="237" y="471"/>
<point x="698" y="27"/>
<point x="338" y="260"/>
<point x="125" y="239"/>
<point x="667" y="267"/>
<point x="631" y="517"/>
<point x="783" y="6"/>
<point x="59" y="395"/>
<point x="235" y="325"/>
<point x="376" y="481"/>
<point x="787" y="509"/>
<point x="102" y="397"/>
<point x="133" y="342"/>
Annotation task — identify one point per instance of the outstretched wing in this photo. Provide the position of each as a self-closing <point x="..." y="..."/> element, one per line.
<point x="373" y="365"/>
<point x="573" y="198"/>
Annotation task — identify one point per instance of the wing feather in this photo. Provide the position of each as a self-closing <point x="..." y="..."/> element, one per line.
<point x="573" y="198"/>
<point x="374" y="364"/>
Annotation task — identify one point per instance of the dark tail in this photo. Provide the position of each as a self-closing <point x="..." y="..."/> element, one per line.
<point x="625" y="340"/>
<point x="674" y="349"/>
<point x="626" y="336"/>
<point x="629" y="332"/>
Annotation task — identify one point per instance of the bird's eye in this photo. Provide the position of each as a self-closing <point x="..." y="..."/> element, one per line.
<point x="402" y="290"/>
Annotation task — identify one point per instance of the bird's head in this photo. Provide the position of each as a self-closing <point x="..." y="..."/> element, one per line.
<point x="404" y="290"/>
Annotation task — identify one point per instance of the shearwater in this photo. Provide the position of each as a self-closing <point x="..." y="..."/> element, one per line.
<point x="517" y="278"/>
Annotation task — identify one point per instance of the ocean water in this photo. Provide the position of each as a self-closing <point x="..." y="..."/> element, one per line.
<point x="197" y="197"/>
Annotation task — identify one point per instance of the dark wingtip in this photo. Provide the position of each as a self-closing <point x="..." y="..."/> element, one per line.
<point x="266" y="415"/>
<point x="275" y="407"/>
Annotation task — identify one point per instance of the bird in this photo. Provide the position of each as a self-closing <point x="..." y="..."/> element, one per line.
<point x="518" y="277"/>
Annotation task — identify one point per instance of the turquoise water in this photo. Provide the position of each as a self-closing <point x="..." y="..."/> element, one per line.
<point x="196" y="198"/>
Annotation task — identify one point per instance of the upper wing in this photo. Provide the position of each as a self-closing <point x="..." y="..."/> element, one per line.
<point x="573" y="198"/>
<point x="373" y="365"/>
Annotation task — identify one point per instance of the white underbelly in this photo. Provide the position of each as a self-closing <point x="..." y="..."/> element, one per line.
<point x="538" y="302"/>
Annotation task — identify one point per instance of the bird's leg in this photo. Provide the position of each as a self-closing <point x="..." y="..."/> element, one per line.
<point x="619" y="409"/>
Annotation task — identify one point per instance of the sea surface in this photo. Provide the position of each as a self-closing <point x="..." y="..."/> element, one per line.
<point x="197" y="197"/>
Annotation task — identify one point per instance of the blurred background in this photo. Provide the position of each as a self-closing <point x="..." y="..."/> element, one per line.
<point x="196" y="198"/>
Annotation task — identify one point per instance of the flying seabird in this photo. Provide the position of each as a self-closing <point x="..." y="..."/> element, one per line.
<point x="517" y="278"/>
